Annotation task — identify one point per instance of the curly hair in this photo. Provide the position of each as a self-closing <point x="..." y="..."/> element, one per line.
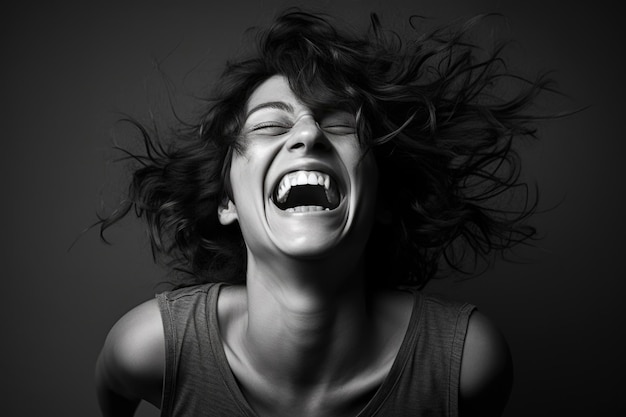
<point x="429" y="108"/>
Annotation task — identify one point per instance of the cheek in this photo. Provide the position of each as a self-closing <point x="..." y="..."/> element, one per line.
<point x="241" y="182"/>
<point x="246" y="179"/>
<point x="243" y="165"/>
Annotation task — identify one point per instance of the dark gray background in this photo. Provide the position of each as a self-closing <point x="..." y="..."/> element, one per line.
<point x="66" y="70"/>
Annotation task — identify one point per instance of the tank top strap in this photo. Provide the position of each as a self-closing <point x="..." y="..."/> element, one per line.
<point x="426" y="380"/>
<point x="195" y="382"/>
<point x="423" y="380"/>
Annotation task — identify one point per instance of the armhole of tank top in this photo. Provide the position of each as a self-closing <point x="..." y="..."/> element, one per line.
<point x="169" y="374"/>
<point x="456" y="355"/>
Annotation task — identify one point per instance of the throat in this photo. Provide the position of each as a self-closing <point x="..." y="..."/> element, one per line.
<point x="308" y="363"/>
<point x="317" y="335"/>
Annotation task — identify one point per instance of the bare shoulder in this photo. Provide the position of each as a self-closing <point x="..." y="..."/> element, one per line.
<point x="486" y="369"/>
<point x="131" y="363"/>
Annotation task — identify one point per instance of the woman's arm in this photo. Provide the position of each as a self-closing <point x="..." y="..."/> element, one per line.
<point x="131" y="364"/>
<point x="486" y="370"/>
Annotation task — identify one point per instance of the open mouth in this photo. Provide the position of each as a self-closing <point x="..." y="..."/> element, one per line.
<point x="305" y="191"/>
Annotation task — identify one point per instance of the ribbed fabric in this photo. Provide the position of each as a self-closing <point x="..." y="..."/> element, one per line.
<point x="423" y="380"/>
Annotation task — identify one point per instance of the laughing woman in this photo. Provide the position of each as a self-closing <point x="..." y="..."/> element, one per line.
<point x="331" y="176"/>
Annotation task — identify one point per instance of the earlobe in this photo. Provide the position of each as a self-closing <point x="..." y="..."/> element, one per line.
<point x="227" y="212"/>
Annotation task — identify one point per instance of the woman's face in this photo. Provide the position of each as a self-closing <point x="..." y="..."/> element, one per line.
<point x="301" y="184"/>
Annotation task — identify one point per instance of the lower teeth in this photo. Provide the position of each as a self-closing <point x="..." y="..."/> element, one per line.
<point x="303" y="209"/>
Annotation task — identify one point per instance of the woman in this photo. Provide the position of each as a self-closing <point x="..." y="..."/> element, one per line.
<point x="329" y="178"/>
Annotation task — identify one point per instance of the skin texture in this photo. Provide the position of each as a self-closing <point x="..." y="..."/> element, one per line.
<point x="281" y="135"/>
<point x="130" y="368"/>
<point x="301" y="337"/>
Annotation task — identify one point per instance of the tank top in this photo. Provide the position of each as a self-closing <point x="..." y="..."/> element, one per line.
<point x="423" y="380"/>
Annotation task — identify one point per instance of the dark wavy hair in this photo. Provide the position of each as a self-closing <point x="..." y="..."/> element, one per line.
<point x="439" y="113"/>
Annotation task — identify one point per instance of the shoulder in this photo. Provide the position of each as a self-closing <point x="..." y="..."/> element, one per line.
<point x="132" y="359"/>
<point x="486" y="369"/>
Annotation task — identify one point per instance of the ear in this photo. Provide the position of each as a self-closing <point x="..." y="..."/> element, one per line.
<point x="227" y="212"/>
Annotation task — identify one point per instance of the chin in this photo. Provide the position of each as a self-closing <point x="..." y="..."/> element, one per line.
<point x="309" y="247"/>
<point x="334" y="236"/>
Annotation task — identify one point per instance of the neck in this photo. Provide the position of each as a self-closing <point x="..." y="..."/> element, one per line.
<point x="304" y="320"/>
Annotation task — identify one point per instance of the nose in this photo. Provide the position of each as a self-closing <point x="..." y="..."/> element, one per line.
<point x="308" y="136"/>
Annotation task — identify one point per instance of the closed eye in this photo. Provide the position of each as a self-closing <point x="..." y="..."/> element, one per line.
<point x="339" y="123"/>
<point x="270" y="129"/>
<point x="339" y="129"/>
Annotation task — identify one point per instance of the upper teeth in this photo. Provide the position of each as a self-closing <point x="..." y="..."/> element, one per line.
<point x="301" y="178"/>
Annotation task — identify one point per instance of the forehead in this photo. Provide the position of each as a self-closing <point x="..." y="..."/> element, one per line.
<point x="274" y="89"/>
<point x="276" y="93"/>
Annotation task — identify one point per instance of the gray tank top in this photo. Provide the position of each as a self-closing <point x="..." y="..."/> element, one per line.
<point x="423" y="380"/>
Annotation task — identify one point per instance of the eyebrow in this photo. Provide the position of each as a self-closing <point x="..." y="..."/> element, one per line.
<point x="280" y="105"/>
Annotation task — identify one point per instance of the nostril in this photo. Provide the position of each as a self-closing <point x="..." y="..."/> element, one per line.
<point x="312" y="145"/>
<point x="321" y="145"/>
